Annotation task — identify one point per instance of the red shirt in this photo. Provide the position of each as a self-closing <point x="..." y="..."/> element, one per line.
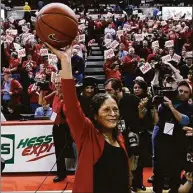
<point x="128" y="65"/>
<point x="89" y="141"/>
<point x="57" y="107"/>
<point x="34" y="97"/>
<point x="29" y="66"/>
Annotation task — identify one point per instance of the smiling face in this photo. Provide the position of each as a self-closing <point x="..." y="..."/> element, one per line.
<point x="108" y="114"/>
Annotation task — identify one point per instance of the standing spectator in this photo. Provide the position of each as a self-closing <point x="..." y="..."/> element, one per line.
<point x="61" y="130"/>
<point x="33" y="92"/>
<point x="112" y="71"/>
<point x="27" y="10"/>
<point x="78" y="66"/>
<point x="89" y="87"/>
<point x="129" y="65"/>
<point x="40" y="4"/>
<point x="169" y="143"/>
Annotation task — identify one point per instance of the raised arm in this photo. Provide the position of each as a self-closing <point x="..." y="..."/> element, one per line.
<point x="78" y="123"/>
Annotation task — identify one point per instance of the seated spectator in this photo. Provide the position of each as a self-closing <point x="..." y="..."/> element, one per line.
<point x="10" y="91"/>
<point x="44" y="111"/>
<point x="187" y="67"/>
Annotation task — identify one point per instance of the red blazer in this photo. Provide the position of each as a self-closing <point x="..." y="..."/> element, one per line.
<point x="89" y="141"/>
<point x="16" y="89"/>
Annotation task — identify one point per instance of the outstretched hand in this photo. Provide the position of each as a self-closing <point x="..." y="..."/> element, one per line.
<point x="61" y="54"/>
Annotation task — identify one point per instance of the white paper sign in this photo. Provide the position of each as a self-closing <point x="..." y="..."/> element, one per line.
<point x="52" y="58"/>
<point x="135" y="12"/>
<point x="53" y="76"/>
<point x="21" y="22"/>
<point x="81" y="38"/>
<point x="166" y="58"/>
<point x="53" y="117"/>
<point x="21" y="53"/>
<point x="43" y="52"/>
<point x="169" y="128"/>
<point x="114" y="44"/>
<point x="139" y="37"/>
<point x="142" y="17"/>
<point x="155" y="44"/>
<point x="109" y="53"/>
<point x="17" y="46"/>
<point x="9" y="38"/>
<point x="12" y="32"/>
<point x="176" y="58"/>
<point x="169" y="43"/>
<point x="145" y="68"/>
<point x="189" y="54"/>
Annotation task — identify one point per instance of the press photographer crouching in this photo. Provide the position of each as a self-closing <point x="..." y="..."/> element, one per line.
<point x="170" y="140"/>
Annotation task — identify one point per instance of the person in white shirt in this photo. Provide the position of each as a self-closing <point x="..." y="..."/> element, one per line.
<point x="110" y="30"/>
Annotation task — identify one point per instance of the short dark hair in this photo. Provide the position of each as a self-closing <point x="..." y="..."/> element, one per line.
<point x="115" y="83"/>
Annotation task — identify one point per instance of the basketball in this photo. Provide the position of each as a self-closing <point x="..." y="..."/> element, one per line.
<point x="57" y="25"/>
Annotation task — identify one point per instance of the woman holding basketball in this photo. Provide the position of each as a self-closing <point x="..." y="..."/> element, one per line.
<point x="103" y="161"/>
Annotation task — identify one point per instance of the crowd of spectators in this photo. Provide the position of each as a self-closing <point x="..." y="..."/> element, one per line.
<point x="145" y="58"/>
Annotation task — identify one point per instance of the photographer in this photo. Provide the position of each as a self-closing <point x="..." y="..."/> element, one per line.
<point x="170" y="141"/>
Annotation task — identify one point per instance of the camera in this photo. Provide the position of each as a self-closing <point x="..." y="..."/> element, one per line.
<point x="44" y="85"/>
<point x="167" y="92"/>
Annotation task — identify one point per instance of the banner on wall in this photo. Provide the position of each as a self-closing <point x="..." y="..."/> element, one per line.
<point x="27" y="148"/>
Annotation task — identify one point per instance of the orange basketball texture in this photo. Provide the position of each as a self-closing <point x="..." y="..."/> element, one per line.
<point x="57" y="25"/>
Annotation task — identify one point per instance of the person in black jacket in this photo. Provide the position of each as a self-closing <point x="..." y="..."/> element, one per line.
<point x="78" y="66"/>
<point x="170" y="141"/>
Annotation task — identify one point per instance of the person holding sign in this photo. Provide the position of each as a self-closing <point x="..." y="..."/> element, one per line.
<point x="96" y="138"/>
<point x="169" y="142"/>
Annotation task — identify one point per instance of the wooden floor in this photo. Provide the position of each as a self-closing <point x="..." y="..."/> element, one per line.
<point x="31" y="182"/>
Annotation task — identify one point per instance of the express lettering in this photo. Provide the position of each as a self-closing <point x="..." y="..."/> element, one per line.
<point x="37" y="149"/>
